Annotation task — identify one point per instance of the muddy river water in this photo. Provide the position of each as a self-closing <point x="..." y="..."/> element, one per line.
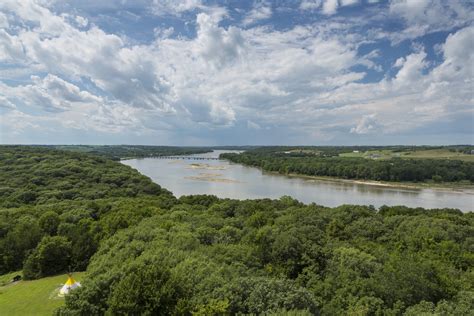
<point x="228" y="180"/>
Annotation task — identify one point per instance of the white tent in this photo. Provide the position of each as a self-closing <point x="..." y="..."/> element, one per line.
<point x="69" y="285"/>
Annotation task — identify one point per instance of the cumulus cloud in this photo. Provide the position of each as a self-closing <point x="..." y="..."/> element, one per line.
<point x="410" y="68"/>
<point x="348" y="2"/>
<point x="15" y="122"/>
<point x="458" y="55"/>
<point x="428" y="16"/>
<point x="3" y="21"/>
<point x="174" y="7"/>
<point x="330" y="7"/>
<point x="261" y="10"/>
<point x="367" y="124"/>
<point x="11" y="48"/>
<point x="217" y="45"/>
<point x="310" y="4"/>
<point x="81" y="21"/>
<point x="309" y="81"/>
<point x="50" y="93"/>
<point x="5" y="103"/>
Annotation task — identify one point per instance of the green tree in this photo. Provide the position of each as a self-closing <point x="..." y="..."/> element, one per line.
<point x="146" y="289"/>
<point x="51" y="256"/>
<point x="49" y="222"/>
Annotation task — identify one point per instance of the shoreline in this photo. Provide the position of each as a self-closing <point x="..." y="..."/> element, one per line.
<point x="451" y="187"/>
<point x="440" y="187"/>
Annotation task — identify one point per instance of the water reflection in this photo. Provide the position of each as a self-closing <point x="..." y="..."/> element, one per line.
<point x="230" y="180"/>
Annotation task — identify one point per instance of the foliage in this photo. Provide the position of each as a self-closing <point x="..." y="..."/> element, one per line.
<point x="328" y="163"/>
<point x="84" y="198"/>
<point x="117" y="152"/>
<point x="150" y="253"/>
<point x="50" y="257"/>
<point x="293" y="260"/>
<point x="36" y="175"/>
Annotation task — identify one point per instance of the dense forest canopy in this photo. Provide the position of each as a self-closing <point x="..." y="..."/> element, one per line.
<point x="117" y="152"/>
<point x="327" y="161"/>
<point x="147" y="252"/>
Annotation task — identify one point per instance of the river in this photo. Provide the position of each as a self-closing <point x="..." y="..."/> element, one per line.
<point x="229" y="180"/>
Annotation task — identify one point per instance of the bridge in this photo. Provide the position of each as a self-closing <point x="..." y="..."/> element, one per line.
<point x="187" y="157"/>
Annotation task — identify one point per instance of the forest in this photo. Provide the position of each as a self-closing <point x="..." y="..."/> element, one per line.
<point x="117" y="152"/>
<point x="147" y="252"/>
<point x="322" y="161"/>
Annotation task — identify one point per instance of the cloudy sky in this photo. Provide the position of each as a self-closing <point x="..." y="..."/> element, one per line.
<point x="197" y="72"/>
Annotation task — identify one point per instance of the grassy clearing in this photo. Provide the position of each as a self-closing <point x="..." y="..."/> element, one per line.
<point x="439" y="154"/>
<point x="6" y="278"/>
<point x="374" y="154"/>
<point x="417" y="154"/>
<point x="38" y="297"/>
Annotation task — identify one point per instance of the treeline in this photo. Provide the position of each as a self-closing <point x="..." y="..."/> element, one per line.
<point x="395" y="169"/>
<point x="117" y="152"/>
<point x="150" y="253"/>
<point x="37" y="175"/>
<point x="334" y="151"/>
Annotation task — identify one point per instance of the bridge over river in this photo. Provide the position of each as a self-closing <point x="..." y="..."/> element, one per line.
<point x="187" y="157"/>
<point x="251" y="183"/>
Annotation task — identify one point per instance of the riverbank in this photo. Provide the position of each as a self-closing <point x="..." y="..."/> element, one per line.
<point x="251" y="183"/>
<point x="450" y="186"/>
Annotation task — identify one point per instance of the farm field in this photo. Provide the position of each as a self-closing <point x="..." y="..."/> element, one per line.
<point x="36" y="297"/>
<point x="416" y="154"/>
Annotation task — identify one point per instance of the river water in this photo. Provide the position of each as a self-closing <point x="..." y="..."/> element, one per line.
<point x="228" y="180"/>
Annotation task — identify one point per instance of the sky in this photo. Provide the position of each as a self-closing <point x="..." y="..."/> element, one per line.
<point x="237" y="72"/>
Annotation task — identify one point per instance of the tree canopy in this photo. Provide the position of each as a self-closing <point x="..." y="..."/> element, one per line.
<point x="147" y="252"/>
<point x="327" y="162"/>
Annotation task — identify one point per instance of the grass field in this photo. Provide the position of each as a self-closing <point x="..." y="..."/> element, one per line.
<point x="416" y="154"/>
<point x="38" y="297"/>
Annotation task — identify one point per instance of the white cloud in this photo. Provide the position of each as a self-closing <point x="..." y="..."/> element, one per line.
<point x="459" y="54"/>
<point x="300" y="80"/>
<point x="310" y="4"/>
<point x="412" y="11"/>
<point x="410" y="68"/>
<point x="64" y="104"/>
<point x="216" y="45"/>
<point x="5" y="103"/>
<point x="330" y="6"/>
<point x="261" y="10"/>
<point x="3" y="21"/>
<point x="17" y="122"/>
<point x="163" y="33"/>
<point x="344" y="3"/>
<point x="428" y="16"/>
<point x="81" y="21"/>
<point x="174" y="7"/>
<point x="11" y="48"/>
<point x="367" y="124"/>
<point x="50" y="93"/>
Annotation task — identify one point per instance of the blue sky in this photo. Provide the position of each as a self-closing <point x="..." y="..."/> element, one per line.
<point x="196" y="72"/>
